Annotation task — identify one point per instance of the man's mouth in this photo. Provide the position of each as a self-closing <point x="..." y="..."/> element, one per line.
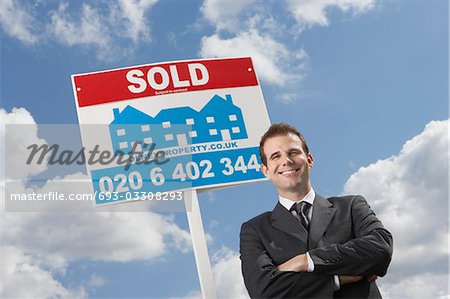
<point x="289" y="172"/>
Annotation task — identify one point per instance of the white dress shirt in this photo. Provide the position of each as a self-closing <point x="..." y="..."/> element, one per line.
<point x="309" y="198"/>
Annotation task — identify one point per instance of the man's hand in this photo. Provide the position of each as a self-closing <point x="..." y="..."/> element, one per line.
<point x="298" y="263"/>
<point x="344" y="279"/>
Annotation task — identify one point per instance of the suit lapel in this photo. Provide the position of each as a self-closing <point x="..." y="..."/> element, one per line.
<point x="323" y="212"/>
<point x="283" y="220"/>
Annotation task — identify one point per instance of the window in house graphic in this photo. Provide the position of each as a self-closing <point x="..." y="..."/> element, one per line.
<point x="218" y="120"/>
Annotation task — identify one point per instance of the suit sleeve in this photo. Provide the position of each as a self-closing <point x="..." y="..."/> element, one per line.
<point x="263" y="280"/>
<point x="370" y="252"/>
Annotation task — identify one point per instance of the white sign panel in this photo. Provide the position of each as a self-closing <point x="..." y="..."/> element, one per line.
<point x="171" y="126"/>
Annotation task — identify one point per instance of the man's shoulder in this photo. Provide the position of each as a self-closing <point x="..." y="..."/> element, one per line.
<point x="258" y="221"/>
<point x="264" y="217"/>
<point x="346" y="200"/>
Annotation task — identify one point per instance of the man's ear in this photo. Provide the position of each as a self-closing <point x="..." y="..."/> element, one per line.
<point x="264" y="170"/>
<point x="310" y="160"/>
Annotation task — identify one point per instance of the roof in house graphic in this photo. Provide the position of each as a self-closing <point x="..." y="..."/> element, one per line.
<point x="218" y="120"/>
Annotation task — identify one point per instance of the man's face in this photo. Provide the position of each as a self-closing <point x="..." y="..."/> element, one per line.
<point x="288" y="165"/>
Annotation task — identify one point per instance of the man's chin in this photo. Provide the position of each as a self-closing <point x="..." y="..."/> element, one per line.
<point x="294" y="187"/>
<point x="290" y="182"/>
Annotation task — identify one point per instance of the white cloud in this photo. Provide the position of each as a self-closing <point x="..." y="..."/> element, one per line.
<point x="409" y="192"/>
<point x="17" y="21"/>
<point x="106" y="27"/>
<point x="226" y="267"/>
<point x="224" y="14"/>
<point x="103" y="27"/>
<point x="265" y="32"/>
<point x="227" y="274"/>
<point x="17" y="131"/>
<point x="22" y="277"/>
<point x="90" y="29"/>
<point x="312" y="12"/>
<point x="133" y="11"/>
<point x="60" y="238"/>
<point x="246" y="28"/>
<point x="419" y="285"/>
<point x="96" y="280"/>
<point x="273" y="60"/>
<point x="192" y="295"/>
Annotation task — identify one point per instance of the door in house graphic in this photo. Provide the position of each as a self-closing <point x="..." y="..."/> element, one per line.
<point x="182" y="140"/>
<point x="225" y="134"/>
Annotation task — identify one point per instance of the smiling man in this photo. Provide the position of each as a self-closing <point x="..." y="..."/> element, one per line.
<point x="310" y="246"/>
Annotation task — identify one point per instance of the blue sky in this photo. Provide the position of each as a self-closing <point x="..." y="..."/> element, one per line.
<point x="365" y="81"/>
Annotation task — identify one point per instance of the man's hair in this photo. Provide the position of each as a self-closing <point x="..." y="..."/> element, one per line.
<point x="280" y="129"/>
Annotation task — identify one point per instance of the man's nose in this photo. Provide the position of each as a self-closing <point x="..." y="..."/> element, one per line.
<point x="288" y="160"/>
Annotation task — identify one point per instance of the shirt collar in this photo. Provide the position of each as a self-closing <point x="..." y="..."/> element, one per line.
<point x="288" y="203"/>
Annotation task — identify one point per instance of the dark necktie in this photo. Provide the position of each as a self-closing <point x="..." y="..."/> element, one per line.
<point x="301" y="208"/>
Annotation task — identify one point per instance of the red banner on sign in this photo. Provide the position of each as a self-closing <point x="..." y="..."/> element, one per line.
<point x="159" y="79"/>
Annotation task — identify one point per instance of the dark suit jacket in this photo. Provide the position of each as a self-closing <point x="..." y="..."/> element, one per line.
<point x="345" y="237"/>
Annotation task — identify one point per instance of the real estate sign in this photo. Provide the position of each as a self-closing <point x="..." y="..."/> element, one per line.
<point x="171" y="126"/>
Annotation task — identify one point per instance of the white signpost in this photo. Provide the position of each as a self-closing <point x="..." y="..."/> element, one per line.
<point x="173" y="126"/>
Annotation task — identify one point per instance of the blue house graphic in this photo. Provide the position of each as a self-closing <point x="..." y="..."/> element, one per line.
<point x="218" y="120"/>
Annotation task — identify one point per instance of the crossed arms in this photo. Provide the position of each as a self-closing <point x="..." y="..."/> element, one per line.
<point x="367" y="254"/>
